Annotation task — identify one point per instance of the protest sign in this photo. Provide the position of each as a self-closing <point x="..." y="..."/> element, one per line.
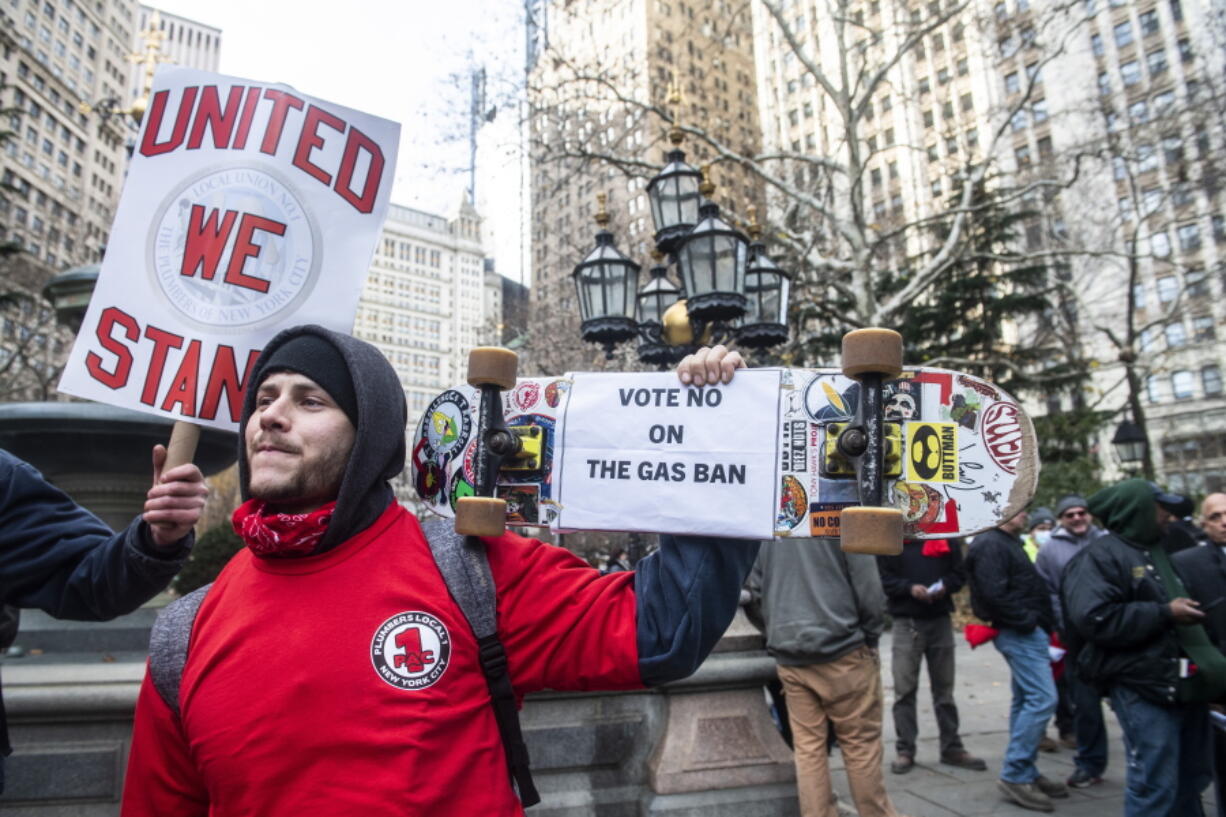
<point x="657" y="455"/>
<point x="248" y="208"/>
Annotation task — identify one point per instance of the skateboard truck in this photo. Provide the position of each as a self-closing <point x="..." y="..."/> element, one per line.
<point x="871" y="356"/>
<point x="491" y="370"/>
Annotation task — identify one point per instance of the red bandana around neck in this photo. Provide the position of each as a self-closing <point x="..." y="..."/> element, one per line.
<point x="280" y="534"/>
<point x="935" y="548"/>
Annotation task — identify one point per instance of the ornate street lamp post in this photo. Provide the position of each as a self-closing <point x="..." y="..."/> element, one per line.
<point x="1130" y="445"/>
<point x="767" y="288"/>
<point x="607" y="282"/>
<point x="729" y="288"/>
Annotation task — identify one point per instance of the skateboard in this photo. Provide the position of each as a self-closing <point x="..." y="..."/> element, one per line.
<point x="870" y="453"/>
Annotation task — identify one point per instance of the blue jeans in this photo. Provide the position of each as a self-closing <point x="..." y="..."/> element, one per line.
<point x="1034" y="700"/>
<point x="1168" y="755"/>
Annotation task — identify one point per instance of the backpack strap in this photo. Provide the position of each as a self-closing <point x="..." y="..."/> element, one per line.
<point x="172" y="630"/>
<point x="466" y="570"/>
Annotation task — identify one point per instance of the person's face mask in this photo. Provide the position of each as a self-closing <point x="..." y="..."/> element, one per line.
<point x="1041" y="537"/>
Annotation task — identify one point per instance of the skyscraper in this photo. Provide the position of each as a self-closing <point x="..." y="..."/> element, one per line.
<point x="1100" y="119"/>
<point x="599" y="77"/>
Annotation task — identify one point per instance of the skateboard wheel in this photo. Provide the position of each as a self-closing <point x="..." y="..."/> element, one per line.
<point x="872" y="351"/>
<point x="493" y="365"/>
<point x="871" y="530"/>
<point x="480" y="516"/>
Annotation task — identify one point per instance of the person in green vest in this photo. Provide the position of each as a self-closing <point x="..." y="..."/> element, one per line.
<point x="1138" y="638"/>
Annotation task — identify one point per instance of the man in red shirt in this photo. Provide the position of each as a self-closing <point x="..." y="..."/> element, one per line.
<point x="331" y="672"/>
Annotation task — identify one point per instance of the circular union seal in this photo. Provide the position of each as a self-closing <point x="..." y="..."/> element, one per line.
<point x="411" y="650"/>
<point x="527" y="395"/>
<point x="234" y="249"/>
<point x="447" y="423"/>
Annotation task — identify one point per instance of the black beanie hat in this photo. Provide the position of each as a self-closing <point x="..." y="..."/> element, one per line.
<point x="316" y="358"/>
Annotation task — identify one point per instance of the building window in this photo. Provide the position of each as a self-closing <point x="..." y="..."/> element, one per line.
<point x="1168" y="288"/>
<point x="1123" y="34"/>
<point x="1202" y="329"/>
<point x="1156" y="60"/>
<point x="1182" y="384"/>
<point x="1152" y="389"/>
<point x="1012" y="83"/>
<point x="1104" y="83"/>
<point x="1131" y="72"/>
<point x="1195" y="284"/>
<point x="1176" y="11"/>
<point x="1211" y="380"/>
<point x="1189" y="237"/>
<point x="1096" y="44"/>
<point x="1185" y="51"/>
<point x="1175" y="335"/>
<point x="1149" y="23"/>
<point x="1160" y="245"/>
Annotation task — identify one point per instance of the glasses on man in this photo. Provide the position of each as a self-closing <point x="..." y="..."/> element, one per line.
<point x="1073" y="514"/>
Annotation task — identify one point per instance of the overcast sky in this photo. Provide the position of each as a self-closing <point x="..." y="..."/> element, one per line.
<point x="405" y="60"/>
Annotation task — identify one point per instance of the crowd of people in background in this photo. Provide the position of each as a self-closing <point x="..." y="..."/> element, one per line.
<point x="1116" y="596"/>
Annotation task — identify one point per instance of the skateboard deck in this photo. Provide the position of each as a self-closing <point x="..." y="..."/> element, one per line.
<point x="755" y="458"/>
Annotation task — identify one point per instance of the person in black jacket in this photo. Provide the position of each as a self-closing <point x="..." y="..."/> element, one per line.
<point x="1139" y="640"/>
<point x="1008" y="593"/>
<point x="60" y="558"/>
<point x="1203" y="570"/>
<point x="919" y="583"/>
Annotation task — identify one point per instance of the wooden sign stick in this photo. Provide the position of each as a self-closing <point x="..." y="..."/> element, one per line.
<point x="182" y="446"/>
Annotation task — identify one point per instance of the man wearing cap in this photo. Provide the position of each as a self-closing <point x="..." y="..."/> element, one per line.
<point x="1009" y="594"/>
<point x="1075" y="530"/>
<point x="1041" y="522"/>
<point x="330" y="670"/>
<point x="1137" y="636"/>
<point x="919" y="584"/>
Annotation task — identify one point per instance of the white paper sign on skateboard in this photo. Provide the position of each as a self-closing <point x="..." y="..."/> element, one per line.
<point x="662" y="456"/>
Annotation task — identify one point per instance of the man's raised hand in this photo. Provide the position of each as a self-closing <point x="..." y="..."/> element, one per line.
<point x="712" y="365"/>
<point x="174" y="503"/>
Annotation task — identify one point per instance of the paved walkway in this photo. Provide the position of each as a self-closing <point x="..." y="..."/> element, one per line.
<point x="983" y="694"/>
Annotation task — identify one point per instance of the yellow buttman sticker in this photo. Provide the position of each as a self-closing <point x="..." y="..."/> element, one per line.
<point x="932" y="452"/>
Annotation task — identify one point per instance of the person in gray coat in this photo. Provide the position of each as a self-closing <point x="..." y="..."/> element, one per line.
<point x="823" y="612"/>
<point x="1074" y="530"/>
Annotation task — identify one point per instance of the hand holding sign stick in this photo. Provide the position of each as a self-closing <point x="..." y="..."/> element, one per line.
<point x="174" y="503"/>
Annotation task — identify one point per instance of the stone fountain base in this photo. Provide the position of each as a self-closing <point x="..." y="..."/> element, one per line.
<point x="101" y="455"/>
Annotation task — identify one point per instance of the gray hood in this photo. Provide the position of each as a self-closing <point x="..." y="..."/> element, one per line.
<point x="379" y="445"/>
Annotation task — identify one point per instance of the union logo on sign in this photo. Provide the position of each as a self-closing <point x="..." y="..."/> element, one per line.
<point x="234" y="249"/>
